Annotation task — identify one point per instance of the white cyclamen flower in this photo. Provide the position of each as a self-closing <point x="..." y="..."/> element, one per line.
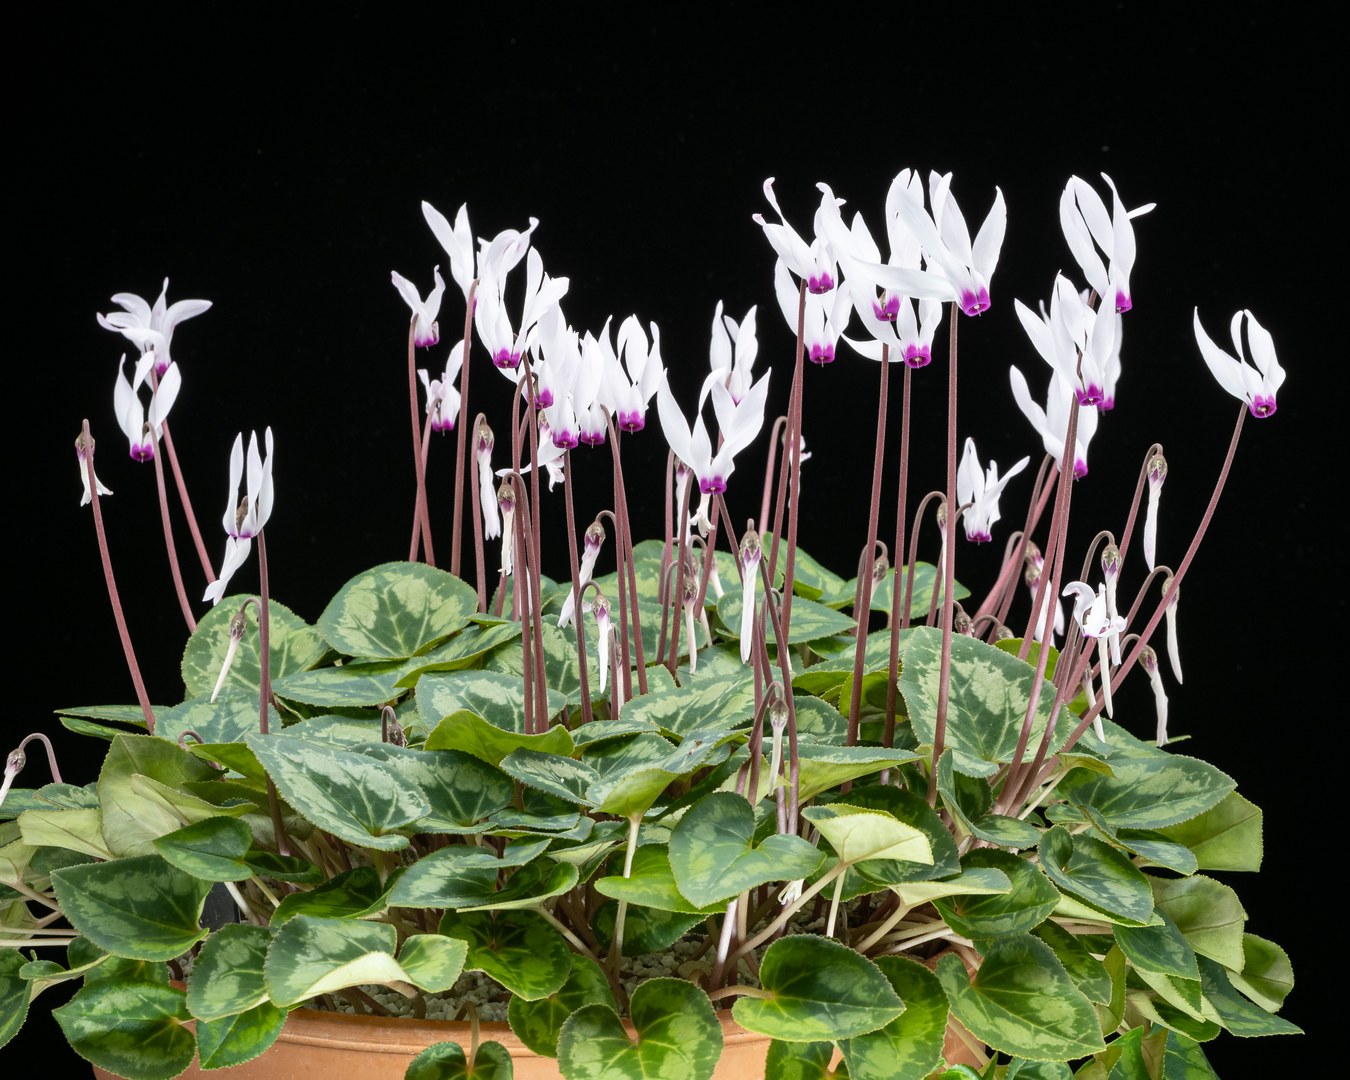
<point x="823" y="318"/>
<point x="1253" y="379"/>
<point x="813" y="263"/>
<point x="632" y="380"/>
<point x="142" y="430"/>
<point x="425" y="330"/>
<point x="487" y="495"/>
<point x="244" y="520"/>
<point x="1092" y="612"/>
<point x="979" y="492"/>
<point x="592" y="543"/>
<point x="442" y="394"/>
<point x="1073" y="340"/>
<point x="151" y="328"/>
<point x="733" y="350"/>
<point x="1088" y="227"/>
<point x="1052" y="422"/>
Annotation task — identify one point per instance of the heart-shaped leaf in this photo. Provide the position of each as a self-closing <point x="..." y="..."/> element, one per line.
<point x="1021" y="1001"/>
<point x="817" y="989"/>
<point x="447" y="1061"/>
<point x="857" y="834"/>
<point x="141" y="908"/>
<point x="350" y="895"/>
<point x="241" y="1037"/>
<point x="1227" y="837"/>
<point x="1097" y="874"/>
<point x="1208" y="913"/>
<point x="676" y="1033"/>
<point x="227" y="975"/>
<point x="1024" y="907"/>
<point x="212" y="850"/>
<point x="651" y="884"/>
<point x="396" y="610"/>
<point x="519" y="949"/>
<point x="292" y="646"/>
<point x="714" y="857"/>
<point x="909" y="1046"/>
<point x="467" y="731"/>
<point x="537" y="1023"/>
<point x="129" y="1028"/>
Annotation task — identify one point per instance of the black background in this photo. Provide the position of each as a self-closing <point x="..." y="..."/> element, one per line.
<point x="278" y="171"/>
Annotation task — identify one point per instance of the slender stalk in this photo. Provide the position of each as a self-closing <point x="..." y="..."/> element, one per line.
<point x="1128" y="532"/>
<point x="781" y="644"/>
<point x="616" y="945"/>
<point x="426" y="449"/>
<point x="184" y="498"/>
<point x="420" y="517"/>
<point x="863" y="608"/>
<point x="899" y="618"/>
<point x="577" y="619"/>
<point x="678" y="598"/>
<point x="460" y="436"/>
<point x="775" y="436"/>
<point x="265" y="687"/>
<point x="790" y="433"/>
<point x="624" y="546"/>
<point x="174" y="569"/>
<point x="948" y="567"/>
<point x="84" y="448"/>
<point x="479" y="423"/>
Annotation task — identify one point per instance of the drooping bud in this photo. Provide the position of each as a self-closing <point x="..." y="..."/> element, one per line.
<point x="593" y="541"/>
<point x="1111" y="570"/>
<point x="750" y="556"/>
<point x="1173" y="652"/>
<point x="82" y="452"/>
<point x="487" y="499"/>
<point x="238" y="627"/>
<point x="506" y="503"/>
<point x="1149" y="660"/>
<point x="604" y="629"/>
<point x="1157" y="473"/>
<point x="391" y="731"/>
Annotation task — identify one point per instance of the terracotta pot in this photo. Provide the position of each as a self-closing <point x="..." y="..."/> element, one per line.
<point x="318" y="1045"/>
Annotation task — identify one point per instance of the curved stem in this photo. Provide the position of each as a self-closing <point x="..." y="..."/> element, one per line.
<point x="460" y="436"/>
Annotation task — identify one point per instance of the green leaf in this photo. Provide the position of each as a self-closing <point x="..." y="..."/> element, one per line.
<point x="988" y="698"/>
<point x="819" y="989"/>
<point x="227" y="975"/>
<point x="1208" y="913"/>
<point x="810" y="620"/>
<point x="396" y="610"/>
<point x="537" y="1023"/>
<point x="1184" y="1060"/>
<point x="228" y="719"/>
<point x="459" y="875"/>
<point x="801" y="1061"/>
<point x="141" y="908"/>
<point x="352" y="894"/>
<point x="530" y="887"/>
<point x="1227" y="837"/>
<point x="1087" y="972"/>
<point x="212" y="850"/>
<point x="646" y="930"/>
<point x="857" y="834"/>
<point x="14" y="994"/>
<point x="1162" y="948"/>
<point x="356" y="798"/>
<point x="1267" y="976"/>
<point x="519" y="949"/>
<point x="1021" y="1001"/>
<point x="467" y="731"/>
<point x="651" y="884"/>
<point x="562" y="777"/>
<point x="432" y="961"/>
<point x="1028" y="904"/>
<point x="1149" y="788"/>
<point x="1097" y="874"/>
<point x="133" y="815"/>
<point x="910" y="1046"/>
<point x="982" y="881"/>
<point x="1236" y="1013"/>
<point x="496" y="696"/>
<point x="677" y="1035"/>
<point x="348" y="686"/>
<point x="129" y="1028"/>
<point x="447" y="1061"/>
<point x="464" y="650"/>
<point x="311" y="956"/>
<point x="822" y="766"/>
<point x="462" y="789"/>
<point x="292" y="646"/>
<point x="240" y="1037"/>
<point x="73" y="830"/>
<point x="714" y="857"/>
<point x="913" y="810"/>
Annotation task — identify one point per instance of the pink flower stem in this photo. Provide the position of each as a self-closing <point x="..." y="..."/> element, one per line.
<point x="426" y="448"/>
<point x="775" y="437"/>
<point x="863" y="608"/>
<point x="85" y="450"/>
<point x="188" y="513"/>
<point x="899" y="615"/>
<point x="479" y="558"/>
<point x="420" y="516"/>
<point x="265" y="686"/>
<point x="1047" y="591"/>
<point x="577" y="620"/>
<point x="175" y="570"/>
<point x="678" y="597"/>
<point x="457" y="525"/>
<point x="781" y="643"/>
<point x="792" y="438"/>
<point x="628" y="565"/>
<point x="949" y="566"/>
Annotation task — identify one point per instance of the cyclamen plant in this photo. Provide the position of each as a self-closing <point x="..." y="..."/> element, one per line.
<point x="912" y="847"/>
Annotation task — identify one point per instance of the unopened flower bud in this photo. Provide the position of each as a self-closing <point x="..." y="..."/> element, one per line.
<point x="1157" y="473"/>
